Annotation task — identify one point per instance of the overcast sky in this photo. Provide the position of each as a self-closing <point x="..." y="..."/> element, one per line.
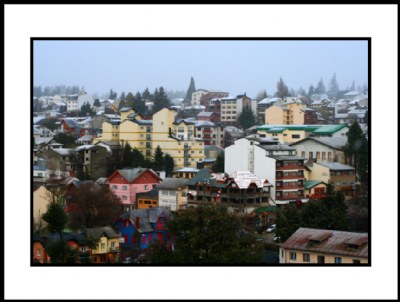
<point x="235" y="66"/>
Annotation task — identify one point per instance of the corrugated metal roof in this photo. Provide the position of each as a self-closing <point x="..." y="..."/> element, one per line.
<point x="305" y="239"/>
<point x="99" y="231"/>
<point x="335" y="166"/>
<point x="131" y="174"/>
<point x="172" y="183"/>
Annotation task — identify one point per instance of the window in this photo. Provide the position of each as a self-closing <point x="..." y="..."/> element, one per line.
<point x="329" y="155"/>
<point x="124" y="197"/>
<point x="38" y="252"/>
<point x="310" y="155"/>
<point x="102" y="245"/>
<point x="146" y="187"/>
<point x="125" y="188"/>
<point x="323" y="155"/>
<point x="306" y="257"/>
<point x="338" y="260"/>
<point x="292" y="256"/>
<point x="295" y="135"/>
<point x="321" y="259"/>
<point x="356" y="261"/>
<point x="113" y="245"/>
<point x="318" y="155"/>
<point x="303" y="154"/>
<point x="114" y="187"/>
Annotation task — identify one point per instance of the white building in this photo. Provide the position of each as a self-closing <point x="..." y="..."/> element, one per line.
<point x="172" y="193"/>
<point x="269" y="159"/>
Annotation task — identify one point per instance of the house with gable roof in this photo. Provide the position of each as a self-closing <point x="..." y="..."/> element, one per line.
<point x="321" y="149"/>
<point x="320" y="246"/>
<point x="142" y="227"/>
<point x="126" y="183"/>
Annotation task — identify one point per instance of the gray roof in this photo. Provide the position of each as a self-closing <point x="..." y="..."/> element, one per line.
<point x="42" y="140"/>
<point x="125" y="109"/>
<point x="147" y="217"/>
<point x="336" y="166"/>
<point x="280" y="147"/>
<point x="144" y="122"/>
<point x="71" y="123"/>
<point x="131" y="174"/>
<point x="172" y="183"/>
<point x="100" y="231"/>
<point x="333" y="142"/>
<point x="284" y="157"/>
<point x="206" y="113"/>
<point x="328" y="241"/>
<point x="204" y="124"/>
<point x="64" y="151"/>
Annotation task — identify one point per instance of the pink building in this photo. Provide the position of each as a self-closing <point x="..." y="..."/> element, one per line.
<point x="126" y="183"/>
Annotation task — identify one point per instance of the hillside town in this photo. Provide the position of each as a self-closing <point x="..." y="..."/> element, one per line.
<point x="212" y="178"/>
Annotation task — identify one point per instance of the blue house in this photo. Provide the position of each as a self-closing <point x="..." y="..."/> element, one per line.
<point x="142" y="227"/>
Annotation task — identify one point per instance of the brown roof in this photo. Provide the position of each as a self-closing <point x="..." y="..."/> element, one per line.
<point x="328" y="241"/>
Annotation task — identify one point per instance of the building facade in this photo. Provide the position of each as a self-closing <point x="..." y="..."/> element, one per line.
<point x="316" y="246"/>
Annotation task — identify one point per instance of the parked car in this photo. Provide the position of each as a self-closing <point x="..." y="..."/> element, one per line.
<point x="271" y="228"/>
<point x="127" y="260"/>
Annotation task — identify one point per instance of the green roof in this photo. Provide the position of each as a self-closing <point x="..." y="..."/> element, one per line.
<point x="266" y="209"/>
<point x="328" y="129"/>
<point x="308" y="184"/>
<point x="316" y="129"/>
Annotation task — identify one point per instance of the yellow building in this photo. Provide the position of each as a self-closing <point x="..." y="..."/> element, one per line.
<point x="41" y="198"/>
<point x="341" y="177"/>
<point x="288" y="114"/>
<point x="175" y="137"/>
<point x="107" y="248"/>
<point x="316" y="246"/>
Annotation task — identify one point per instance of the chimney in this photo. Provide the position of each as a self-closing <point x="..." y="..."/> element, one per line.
<point x="137" y="223"/>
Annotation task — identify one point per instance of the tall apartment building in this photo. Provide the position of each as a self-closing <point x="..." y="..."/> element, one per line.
<point x="175" y="137"/>
<point x="232" y="107"/>
<point x="287" y="114"/>
<point x="269" y="159"/>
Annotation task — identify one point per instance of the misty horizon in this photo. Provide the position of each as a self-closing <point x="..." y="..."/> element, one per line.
<point x="234" y="66"/>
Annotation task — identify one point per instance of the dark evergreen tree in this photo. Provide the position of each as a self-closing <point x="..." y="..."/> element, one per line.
<point x="161" y="100"/>
<point x="96" y="103"/>
<point x="86" y="110"/>
<point x="353" y="86"/>
<point x="169" y="164"/>
<point x="112" y="95"/>
<point x="55" y="217"/>
<point x="356" y="151"/>
<point x="333" y="87"/>
<point x="129" y="100"/>
<point x="311" y="91"/>
<point x="208" y="235"/>
<point x="127" y="156"/>
<point x="247" y="118"/>
<point x="139" y="104"/>
<point x="320" y="87"/>
<point x="261" y="95"/>
<point x="219" y="165"/>
<point x="146" y="95"/>
<point x="191" y="89"/>
<point x="138" y="159"/>
<point x="158" y="161"/>
<point x="66" y="139"/>
<point x="282" y="89"/>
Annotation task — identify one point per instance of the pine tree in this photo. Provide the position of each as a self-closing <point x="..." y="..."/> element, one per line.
<point x="146" y="95"/>
<point x="158" y="159"/>
<point x="96" y="103"/>
<point x="169" y="164"/>
<point x="282" y="89"/>
<point x="55" y="217"/>
<point x="311" y="91"/>
<point x="261" y="95"/>
<point x="127" y="156"/>
<point x="356" y="151"/>
<point x="219" y="165"/>
<point x="333" y="87"/>
<point x="247" y="118"/>
<point x="139" y="104"/>
<point x="191" y="89"/>
<point x="320" y="87"/>
<point x="161" y="100"/>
